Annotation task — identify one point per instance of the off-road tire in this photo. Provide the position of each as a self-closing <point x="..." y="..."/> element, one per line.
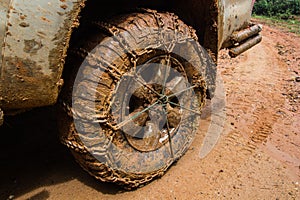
<point x="101" y="54"/>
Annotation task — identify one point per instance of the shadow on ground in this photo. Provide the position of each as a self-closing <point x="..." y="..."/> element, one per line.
<point x="32" y="157"/>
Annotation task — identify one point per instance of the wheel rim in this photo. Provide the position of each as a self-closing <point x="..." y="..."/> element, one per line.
<point x="153" y="112"/>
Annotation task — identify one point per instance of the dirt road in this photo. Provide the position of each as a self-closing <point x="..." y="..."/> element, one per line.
<point x="257" y="155"/>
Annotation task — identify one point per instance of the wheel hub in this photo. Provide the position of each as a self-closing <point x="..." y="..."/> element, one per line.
<point x="150" y="102"/>
<point x="158" y="122"/>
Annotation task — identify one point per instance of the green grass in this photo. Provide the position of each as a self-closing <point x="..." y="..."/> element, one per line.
<point x="292" y="25"/>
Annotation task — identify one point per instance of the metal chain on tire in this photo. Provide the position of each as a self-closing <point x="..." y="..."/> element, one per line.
<point x="109" y="174"/>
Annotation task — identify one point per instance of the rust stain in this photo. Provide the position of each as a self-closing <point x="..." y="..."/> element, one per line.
<point x="22" y="17"/>
<point x="64" y="6"/>
<point x="24" y="24"/>
<point x="45" y="19"/>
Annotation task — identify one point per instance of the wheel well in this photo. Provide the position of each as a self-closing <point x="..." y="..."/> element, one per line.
<point x="200" y="14"/>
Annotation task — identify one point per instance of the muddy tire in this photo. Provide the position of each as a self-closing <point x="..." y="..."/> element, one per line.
<point x="133" y="95"/>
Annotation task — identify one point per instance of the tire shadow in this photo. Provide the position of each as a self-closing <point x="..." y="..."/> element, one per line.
<point x="32" y="157"/>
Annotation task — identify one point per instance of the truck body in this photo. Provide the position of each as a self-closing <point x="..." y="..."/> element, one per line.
<point x="35" y="35"/>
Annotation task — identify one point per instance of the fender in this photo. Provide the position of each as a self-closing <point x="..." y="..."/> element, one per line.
<point x="34" y="37"/>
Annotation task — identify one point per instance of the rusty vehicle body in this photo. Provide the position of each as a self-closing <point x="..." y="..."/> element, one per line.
<point x="35" y="37"/>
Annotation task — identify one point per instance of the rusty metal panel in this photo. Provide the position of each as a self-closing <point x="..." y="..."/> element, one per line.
<point x="233" y="15"/>
<point x="36" y="39"/>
